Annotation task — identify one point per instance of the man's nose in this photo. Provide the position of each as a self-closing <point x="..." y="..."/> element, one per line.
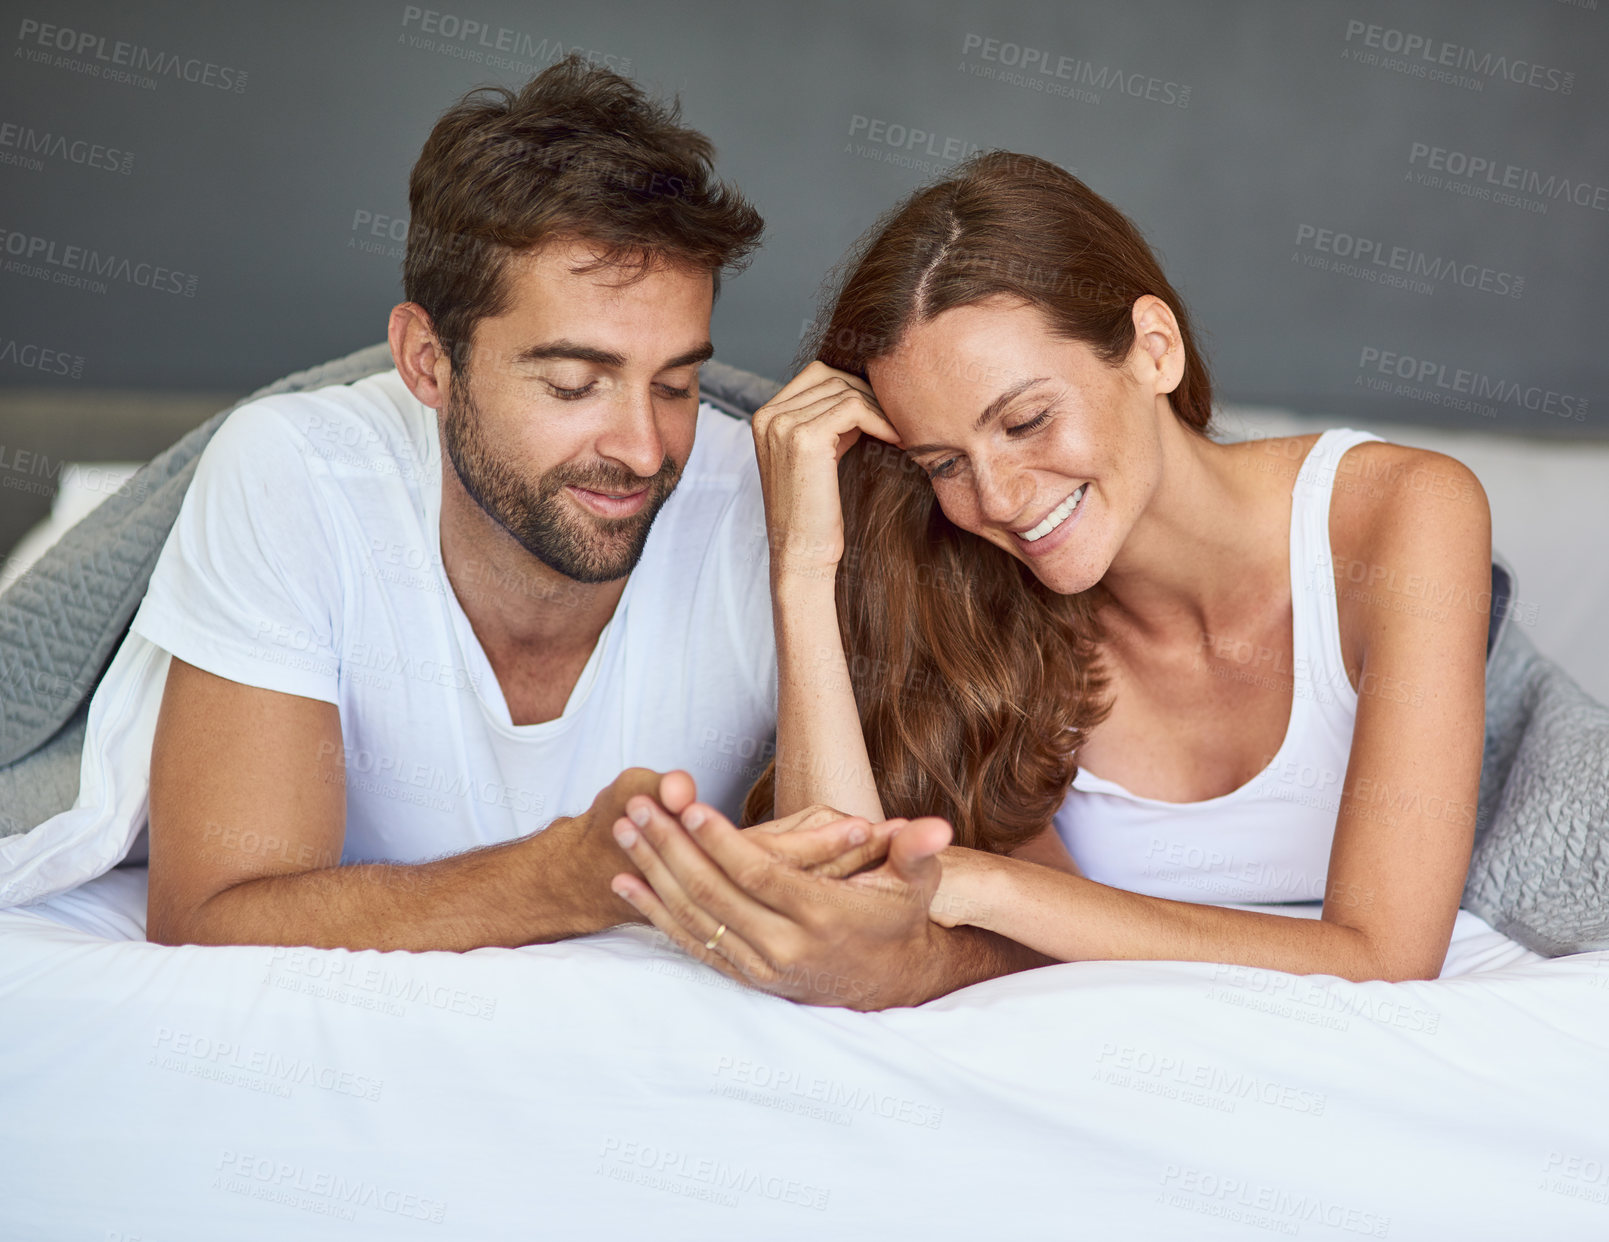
<point x="633" y="438"/>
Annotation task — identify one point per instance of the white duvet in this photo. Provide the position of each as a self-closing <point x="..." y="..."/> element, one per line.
<point x="610" y="1088"/>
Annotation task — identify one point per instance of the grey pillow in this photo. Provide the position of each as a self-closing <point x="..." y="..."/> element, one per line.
<point x="1540" y="868"/>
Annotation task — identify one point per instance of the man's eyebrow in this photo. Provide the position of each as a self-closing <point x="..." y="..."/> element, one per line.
<point x="991" y="411"/>
<point x="572" y="350"/>
<point x="576" y="352"/>
<point x="701" y="353"/>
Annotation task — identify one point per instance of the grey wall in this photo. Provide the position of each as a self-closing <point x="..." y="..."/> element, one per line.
<point x="1253" y="141"/>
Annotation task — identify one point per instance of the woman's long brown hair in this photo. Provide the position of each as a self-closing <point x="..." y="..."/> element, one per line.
<point x="975" y="682"/>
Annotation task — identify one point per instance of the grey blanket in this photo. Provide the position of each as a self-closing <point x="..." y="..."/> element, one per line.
<point x="1540" y="870"/>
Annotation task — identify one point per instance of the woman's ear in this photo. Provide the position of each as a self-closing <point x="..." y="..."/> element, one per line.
<point x="1158" y="344"/>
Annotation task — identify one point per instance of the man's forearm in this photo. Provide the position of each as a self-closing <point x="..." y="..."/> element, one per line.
<point x="526" y="891"/>
<point x="967" y="955"/>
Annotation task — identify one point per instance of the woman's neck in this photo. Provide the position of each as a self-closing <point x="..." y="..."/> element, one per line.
<point x="1200" y="547"/>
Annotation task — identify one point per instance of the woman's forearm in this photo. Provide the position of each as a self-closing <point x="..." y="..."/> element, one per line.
<point x="821" y="751"/>
<point x="1071" y="918"/>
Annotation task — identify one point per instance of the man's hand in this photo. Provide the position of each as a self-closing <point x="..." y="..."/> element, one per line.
<point x="591" y="856"/>
<point x="817" y="839"/>
<point x="865" y="942"/>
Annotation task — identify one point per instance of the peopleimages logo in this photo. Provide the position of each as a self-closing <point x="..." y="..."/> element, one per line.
<point x="1423" y="377"/>
<point x="1037" y="69"/>
<point x="703" y="1177"/>
<point x="1439" y="60"/>
<point x="38" y="358"/>
<point x="497" y="47"/>
<point x="1491" y="176"/>
<point x="1372" y="259"/>
<point x="85" y="267"/>
<point x="132" y="63"/>
<point x="318" y="1191"/>
<point x="27" y="143"/>
<point x="910" y="138"/>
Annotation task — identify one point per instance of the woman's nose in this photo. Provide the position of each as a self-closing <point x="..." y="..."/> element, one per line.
<point x="1002" y="493"/>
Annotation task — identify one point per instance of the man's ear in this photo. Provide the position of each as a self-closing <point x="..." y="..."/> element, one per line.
<point x="421" y="361"/>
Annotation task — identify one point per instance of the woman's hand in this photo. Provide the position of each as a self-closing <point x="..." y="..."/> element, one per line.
<point x="822" y="841"/>
<point x="799" y="437"/>
<point x="959" y="899"/>
<point x="864" y="943"/>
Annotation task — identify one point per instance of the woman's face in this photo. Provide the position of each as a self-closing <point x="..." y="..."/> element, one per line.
<point x="1031" y="441"/>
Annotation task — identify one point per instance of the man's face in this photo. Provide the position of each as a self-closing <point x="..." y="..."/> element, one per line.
<point x="577" y="412"/>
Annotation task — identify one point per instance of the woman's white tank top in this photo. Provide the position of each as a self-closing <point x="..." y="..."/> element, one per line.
<point x="1269" y="840"/>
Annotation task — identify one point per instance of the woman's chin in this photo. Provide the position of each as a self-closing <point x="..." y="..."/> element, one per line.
<point x="1067" y="569"/>
<point x="1065" y="572"/>
<point x="1071" y="584"/>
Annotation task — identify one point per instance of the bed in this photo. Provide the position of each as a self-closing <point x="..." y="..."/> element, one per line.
<point x="610" y="1087"/>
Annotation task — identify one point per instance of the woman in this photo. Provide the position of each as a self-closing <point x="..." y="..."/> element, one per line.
<point x="1233" y="673"/>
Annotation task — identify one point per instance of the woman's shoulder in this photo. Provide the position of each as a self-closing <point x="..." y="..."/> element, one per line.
<point x="1374" y="481"/>
<point x="1411" y="536"/>
<point x="1389" y="496"/>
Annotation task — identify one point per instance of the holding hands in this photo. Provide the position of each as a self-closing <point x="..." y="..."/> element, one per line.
<point x="817" y="841"/>
<point x="786" y="907"/>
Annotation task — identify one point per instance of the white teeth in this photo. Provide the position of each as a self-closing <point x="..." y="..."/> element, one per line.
<point x="1054" y="518"/>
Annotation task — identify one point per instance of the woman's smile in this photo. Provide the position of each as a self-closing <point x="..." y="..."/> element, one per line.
<point x="1050" y="530"/>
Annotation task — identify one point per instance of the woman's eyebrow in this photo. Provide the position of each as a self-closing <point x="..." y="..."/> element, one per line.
<point x="991" y="411"/>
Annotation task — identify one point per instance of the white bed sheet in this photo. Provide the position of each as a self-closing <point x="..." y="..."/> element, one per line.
<point x="610" y="1088"/>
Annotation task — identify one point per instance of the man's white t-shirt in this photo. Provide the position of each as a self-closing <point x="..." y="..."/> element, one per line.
<point x="306" y="559"/>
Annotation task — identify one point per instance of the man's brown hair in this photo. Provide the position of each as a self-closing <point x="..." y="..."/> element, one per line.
<point x="580" y="152"/>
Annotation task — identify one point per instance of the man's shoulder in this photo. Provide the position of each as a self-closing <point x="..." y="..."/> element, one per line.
<point x="371" y="425"/>
<point x="707" y="566"/>
<point x="723" y="448"/>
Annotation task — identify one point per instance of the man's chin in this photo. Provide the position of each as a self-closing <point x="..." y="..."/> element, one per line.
<point x="597" y="557"/>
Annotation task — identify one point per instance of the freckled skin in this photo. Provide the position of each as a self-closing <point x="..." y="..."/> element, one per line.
<point x="1105" y="427"/>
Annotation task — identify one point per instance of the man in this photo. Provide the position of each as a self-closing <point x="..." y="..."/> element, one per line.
<point x="435" y="612"/>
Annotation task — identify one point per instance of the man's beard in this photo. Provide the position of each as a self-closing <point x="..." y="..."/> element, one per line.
<point x="582" y="547"/>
